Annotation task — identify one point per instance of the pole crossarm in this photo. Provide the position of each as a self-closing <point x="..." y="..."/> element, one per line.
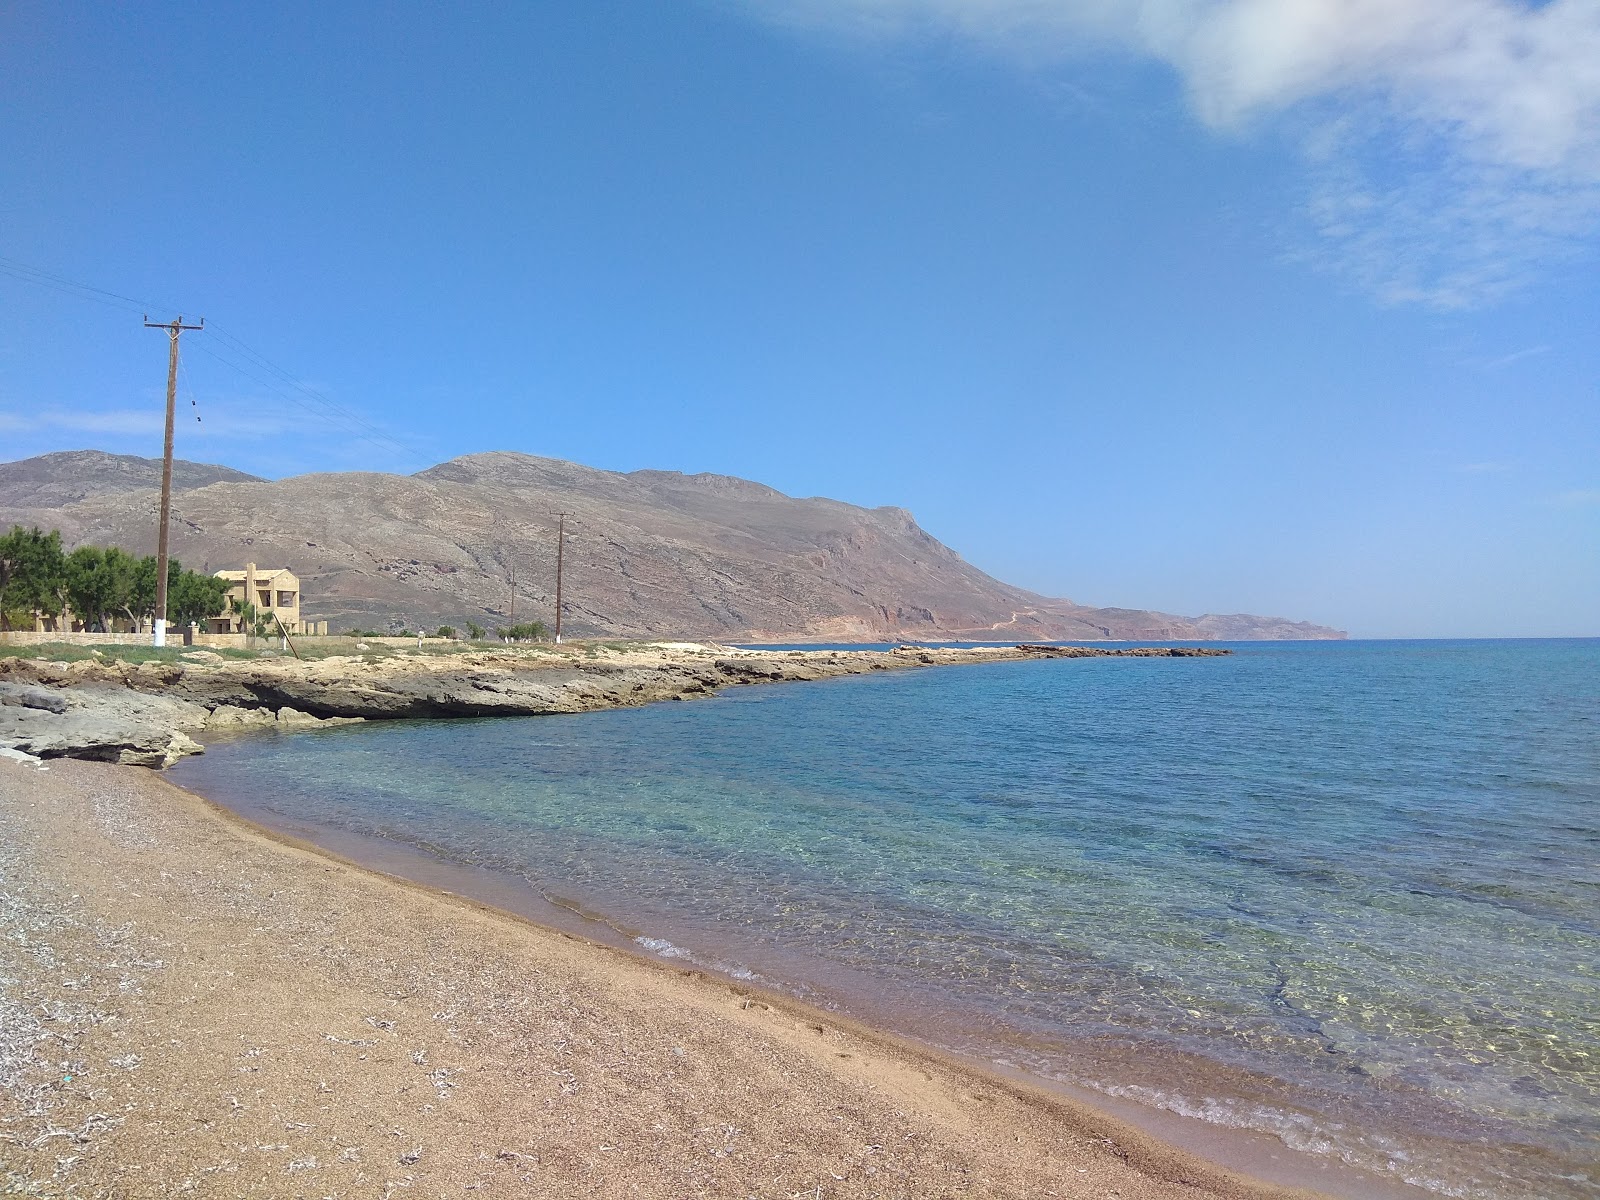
<point x="176" y="325"/>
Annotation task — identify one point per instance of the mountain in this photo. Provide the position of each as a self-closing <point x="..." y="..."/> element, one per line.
<point x="648" y="553"/>
<point x="56" y="480"/>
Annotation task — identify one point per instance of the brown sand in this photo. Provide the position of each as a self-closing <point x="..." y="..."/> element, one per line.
<point x="189" y="1005"/>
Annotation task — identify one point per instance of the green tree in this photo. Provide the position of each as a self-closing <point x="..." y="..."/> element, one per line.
<point x="475" y="631"/>
<point x="99" y="584"/>
<point x="446" y="631"/>
<point x="252" y="620"/>
<point x="193" y="598"/>
<point x="33" y="574"/>
<point x="529" y="631"/>
<point x="141" y="603"/>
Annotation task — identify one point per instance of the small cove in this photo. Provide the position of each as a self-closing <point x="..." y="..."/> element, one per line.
<point x="1342" y="894"/>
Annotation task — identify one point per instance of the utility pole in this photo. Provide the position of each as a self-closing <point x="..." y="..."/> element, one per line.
<point x="561" y="545"/>
<point x="174" y="329"/>
<point x="512" y="568"/>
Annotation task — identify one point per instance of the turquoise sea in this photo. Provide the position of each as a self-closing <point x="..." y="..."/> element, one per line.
<point x="1343" y="894"/>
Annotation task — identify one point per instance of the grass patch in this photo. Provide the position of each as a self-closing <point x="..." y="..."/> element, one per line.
<point x="67" y="652"/>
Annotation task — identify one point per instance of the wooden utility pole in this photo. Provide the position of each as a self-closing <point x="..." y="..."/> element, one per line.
<point x="561" y="545"/>
<point x="511" y="568"/>
<point x="174" y="329"/>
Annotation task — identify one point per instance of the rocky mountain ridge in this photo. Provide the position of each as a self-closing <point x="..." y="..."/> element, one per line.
<point x="648" y="553"/>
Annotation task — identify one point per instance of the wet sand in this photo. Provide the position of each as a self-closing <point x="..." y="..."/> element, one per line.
<point x="191" y="1005"/>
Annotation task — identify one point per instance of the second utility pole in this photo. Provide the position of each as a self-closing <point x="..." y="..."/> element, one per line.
<point x="173" y="328"/>
<point x="561" y="545"/>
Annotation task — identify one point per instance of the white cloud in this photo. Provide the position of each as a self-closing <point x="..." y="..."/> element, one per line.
<point x="1453" y="145"/>
<point x="1516" y="356"/>
<point x="233" y="421"/>
<point x="1579" y="498"/>
<point x="115" y="421"/>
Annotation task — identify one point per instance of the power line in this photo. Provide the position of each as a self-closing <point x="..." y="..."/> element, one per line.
<point x="37" y="275"/>
<point x="376" y="438"/>
<point x="277" y="379"/>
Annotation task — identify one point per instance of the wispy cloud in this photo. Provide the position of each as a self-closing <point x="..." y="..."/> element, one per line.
<point x="1505" y="360"/>
<point x="1578" y="498"/>
<point x="221" y="422"/>
<point x="115" y="421"/>
<point x="1452" y="146"/>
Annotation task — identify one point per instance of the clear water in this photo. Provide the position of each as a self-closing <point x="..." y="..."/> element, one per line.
<point x="1344" y="893"/>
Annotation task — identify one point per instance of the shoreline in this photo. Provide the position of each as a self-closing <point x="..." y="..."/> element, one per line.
<point x="146" y="710"/>
<point x="1254" y="1155"/>
<point x="957" y="1128"/>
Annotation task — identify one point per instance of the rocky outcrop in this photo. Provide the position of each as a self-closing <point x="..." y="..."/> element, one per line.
<point x="145" y="714"/>
<point x="649" y="554"/>
<point x="1128" y="652"/>
<point x="103" y="721"/>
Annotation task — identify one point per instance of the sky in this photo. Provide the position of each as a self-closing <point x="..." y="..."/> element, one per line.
<point x="1275" y="306"/>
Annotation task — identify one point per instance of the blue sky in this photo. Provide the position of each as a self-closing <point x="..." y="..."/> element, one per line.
<point x="1284" y="307"/>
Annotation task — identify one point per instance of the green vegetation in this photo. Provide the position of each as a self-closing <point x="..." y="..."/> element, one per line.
<point x="528" y="631"/>
<point x="113" y="653"/>
<point x="99" y="584"/>
<point x="475" y="631"/>
<point x="252" y="620"/>
<point x="32" y="575"/>
<point x="446" y="631"/>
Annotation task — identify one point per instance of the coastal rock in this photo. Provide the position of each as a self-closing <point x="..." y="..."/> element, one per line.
<point x="22" y="696"/>
<point x="112" y="724"/>
<point x="293" y="718"/>
<point x="80" y="735"/>
<point x="143" y="714"/>
<point x="231" y="716"/>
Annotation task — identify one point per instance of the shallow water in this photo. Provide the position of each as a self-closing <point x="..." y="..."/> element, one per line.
<point x="1344" y="893"/>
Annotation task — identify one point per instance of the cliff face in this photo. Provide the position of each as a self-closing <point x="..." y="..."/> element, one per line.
<point x="648" y="554"/>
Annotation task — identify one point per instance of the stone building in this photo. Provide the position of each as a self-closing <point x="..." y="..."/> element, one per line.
<point x="273" y="591"/>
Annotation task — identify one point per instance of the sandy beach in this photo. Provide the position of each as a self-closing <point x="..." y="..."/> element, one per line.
<point x="189" y="1005"/>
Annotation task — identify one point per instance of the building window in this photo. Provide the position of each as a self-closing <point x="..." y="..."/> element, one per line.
<point x="285" y="599"/>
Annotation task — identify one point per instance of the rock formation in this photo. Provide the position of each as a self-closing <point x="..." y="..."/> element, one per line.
<point x="144" y="713"/>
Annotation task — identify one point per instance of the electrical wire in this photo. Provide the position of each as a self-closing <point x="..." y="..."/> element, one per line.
<point x="261" y="369"/>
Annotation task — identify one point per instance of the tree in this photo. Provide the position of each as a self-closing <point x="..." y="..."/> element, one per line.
<point x="99" y="583"/>
<point x="193" y="598"/>
<point x="251" y="619"/>
<point x="446" y="631"/>
<point x="530" y="631"/>
<point x="141" y="601"/>
<point x="33" y="574"/>
<point x="475" y="631"/>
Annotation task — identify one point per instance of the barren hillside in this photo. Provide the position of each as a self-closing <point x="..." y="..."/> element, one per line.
<point x="649" y="553"/>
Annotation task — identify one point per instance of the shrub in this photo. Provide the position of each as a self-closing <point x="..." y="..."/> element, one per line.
<point x="528" y="631"/>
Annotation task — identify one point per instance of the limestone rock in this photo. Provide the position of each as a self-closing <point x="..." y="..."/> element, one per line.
<point x="231" y="716"/>
<point x="22" y="696"/>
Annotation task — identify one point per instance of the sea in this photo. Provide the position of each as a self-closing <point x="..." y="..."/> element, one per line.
<point x="1337" y="899"/>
